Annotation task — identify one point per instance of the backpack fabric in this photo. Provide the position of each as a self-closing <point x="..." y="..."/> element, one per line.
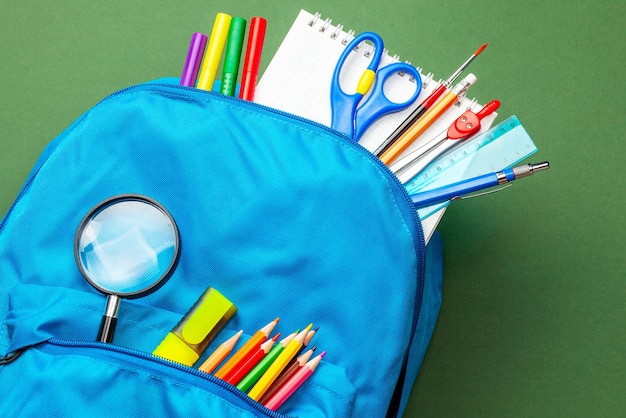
<point x="285" y="217"/>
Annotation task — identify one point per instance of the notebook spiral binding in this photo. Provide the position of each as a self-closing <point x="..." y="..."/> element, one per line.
<point x="428" y="80"/>
<point x="336" y="32"/>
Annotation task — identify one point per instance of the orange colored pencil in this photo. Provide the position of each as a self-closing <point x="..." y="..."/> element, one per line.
<point x="254" y="341"/>
<point x="243" y="368"/>
<point x="220" y="353"/>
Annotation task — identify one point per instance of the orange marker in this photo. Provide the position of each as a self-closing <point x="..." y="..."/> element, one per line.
<point x="220" y="353"/>
<point x="254" y="341"/>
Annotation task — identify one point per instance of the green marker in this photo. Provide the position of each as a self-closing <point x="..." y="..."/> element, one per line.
<point x="262" y="366"/>
<point x="188" y="339"/>
<point x="232" y="56"/>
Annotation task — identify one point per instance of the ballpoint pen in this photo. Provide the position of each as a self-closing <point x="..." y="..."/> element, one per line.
<point x="458" y="190"/>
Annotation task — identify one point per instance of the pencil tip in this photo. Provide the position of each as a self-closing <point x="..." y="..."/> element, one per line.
<point x="481" y="49"/>
<point x="276" y="336"/>
<point x="323" y="353"/>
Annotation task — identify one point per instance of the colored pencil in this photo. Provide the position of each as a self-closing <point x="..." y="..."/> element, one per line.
<point x="299" y="363"/>
<point x="278" y="365"/>
<point x="262" y="366"/>
<point x="293" y="384"/>
<point x="220" y="353"/>
<point x="244" y="367"/>
<point x="253" y="342"/>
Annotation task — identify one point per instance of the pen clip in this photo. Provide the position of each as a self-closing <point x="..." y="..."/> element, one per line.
<point x="490" y="191"/>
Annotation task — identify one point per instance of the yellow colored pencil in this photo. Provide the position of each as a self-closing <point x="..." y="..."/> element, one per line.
<point x="278" y="365"/>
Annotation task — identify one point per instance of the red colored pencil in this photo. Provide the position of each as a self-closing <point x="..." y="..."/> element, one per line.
<point x="242" y="368"/>
<point x="252" y="343"/>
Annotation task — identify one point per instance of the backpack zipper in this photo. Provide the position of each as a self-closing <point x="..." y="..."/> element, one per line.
<point x="123" y="356"/>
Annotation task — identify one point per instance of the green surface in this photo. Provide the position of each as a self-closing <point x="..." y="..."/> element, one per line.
<point x="533" y="318"/>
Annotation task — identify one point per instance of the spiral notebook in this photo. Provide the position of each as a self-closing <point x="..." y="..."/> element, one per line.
<point x="298" y="78"/>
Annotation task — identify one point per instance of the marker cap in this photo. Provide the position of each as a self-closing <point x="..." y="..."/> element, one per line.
<point x="197" y="328"/>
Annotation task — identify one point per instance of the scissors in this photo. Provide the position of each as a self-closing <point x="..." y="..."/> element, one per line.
<point x="353" y="122"/>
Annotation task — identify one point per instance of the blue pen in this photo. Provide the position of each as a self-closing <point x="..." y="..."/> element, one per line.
<point x="458" y="190"/>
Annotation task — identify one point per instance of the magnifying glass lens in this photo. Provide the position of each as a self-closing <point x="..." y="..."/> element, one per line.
<point x="125" y="247"/>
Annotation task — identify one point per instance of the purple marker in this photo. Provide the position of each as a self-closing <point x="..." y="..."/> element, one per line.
<point x="194" y="59"/>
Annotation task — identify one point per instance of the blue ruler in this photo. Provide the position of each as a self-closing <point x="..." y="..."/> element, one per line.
<point x="502" y="146"/>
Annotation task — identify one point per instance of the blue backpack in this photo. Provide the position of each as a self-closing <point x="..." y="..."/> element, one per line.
<point x="285" y="217"/>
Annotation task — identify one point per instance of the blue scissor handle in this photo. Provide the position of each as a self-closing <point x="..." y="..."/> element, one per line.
<point x="378" y="104"/>
<point x="343" y="105"/>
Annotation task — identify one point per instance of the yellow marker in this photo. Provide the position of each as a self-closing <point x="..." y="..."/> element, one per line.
<point x="213" y="54"/>
<point x="186" y="341"/>
<point x="278" y="365"/>
<point x="426" y="120"/>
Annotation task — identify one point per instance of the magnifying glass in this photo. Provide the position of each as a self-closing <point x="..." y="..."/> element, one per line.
<point x="125" y="247"/>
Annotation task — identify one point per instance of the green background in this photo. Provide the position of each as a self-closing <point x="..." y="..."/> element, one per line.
<point x="533" y="317"/>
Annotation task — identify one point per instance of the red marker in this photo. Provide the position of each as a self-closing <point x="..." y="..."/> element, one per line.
<point x="252" y="61"/>
<point x="425" y="105"/>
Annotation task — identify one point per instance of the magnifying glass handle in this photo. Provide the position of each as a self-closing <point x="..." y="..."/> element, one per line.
<point x="109" y="319"/>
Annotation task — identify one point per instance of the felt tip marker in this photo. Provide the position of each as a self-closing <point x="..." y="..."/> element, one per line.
<point x="213" y="53"/>
<point x="252" y="60"/>
<point x="232" y="56"/>
<point x="194" y="59"/>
